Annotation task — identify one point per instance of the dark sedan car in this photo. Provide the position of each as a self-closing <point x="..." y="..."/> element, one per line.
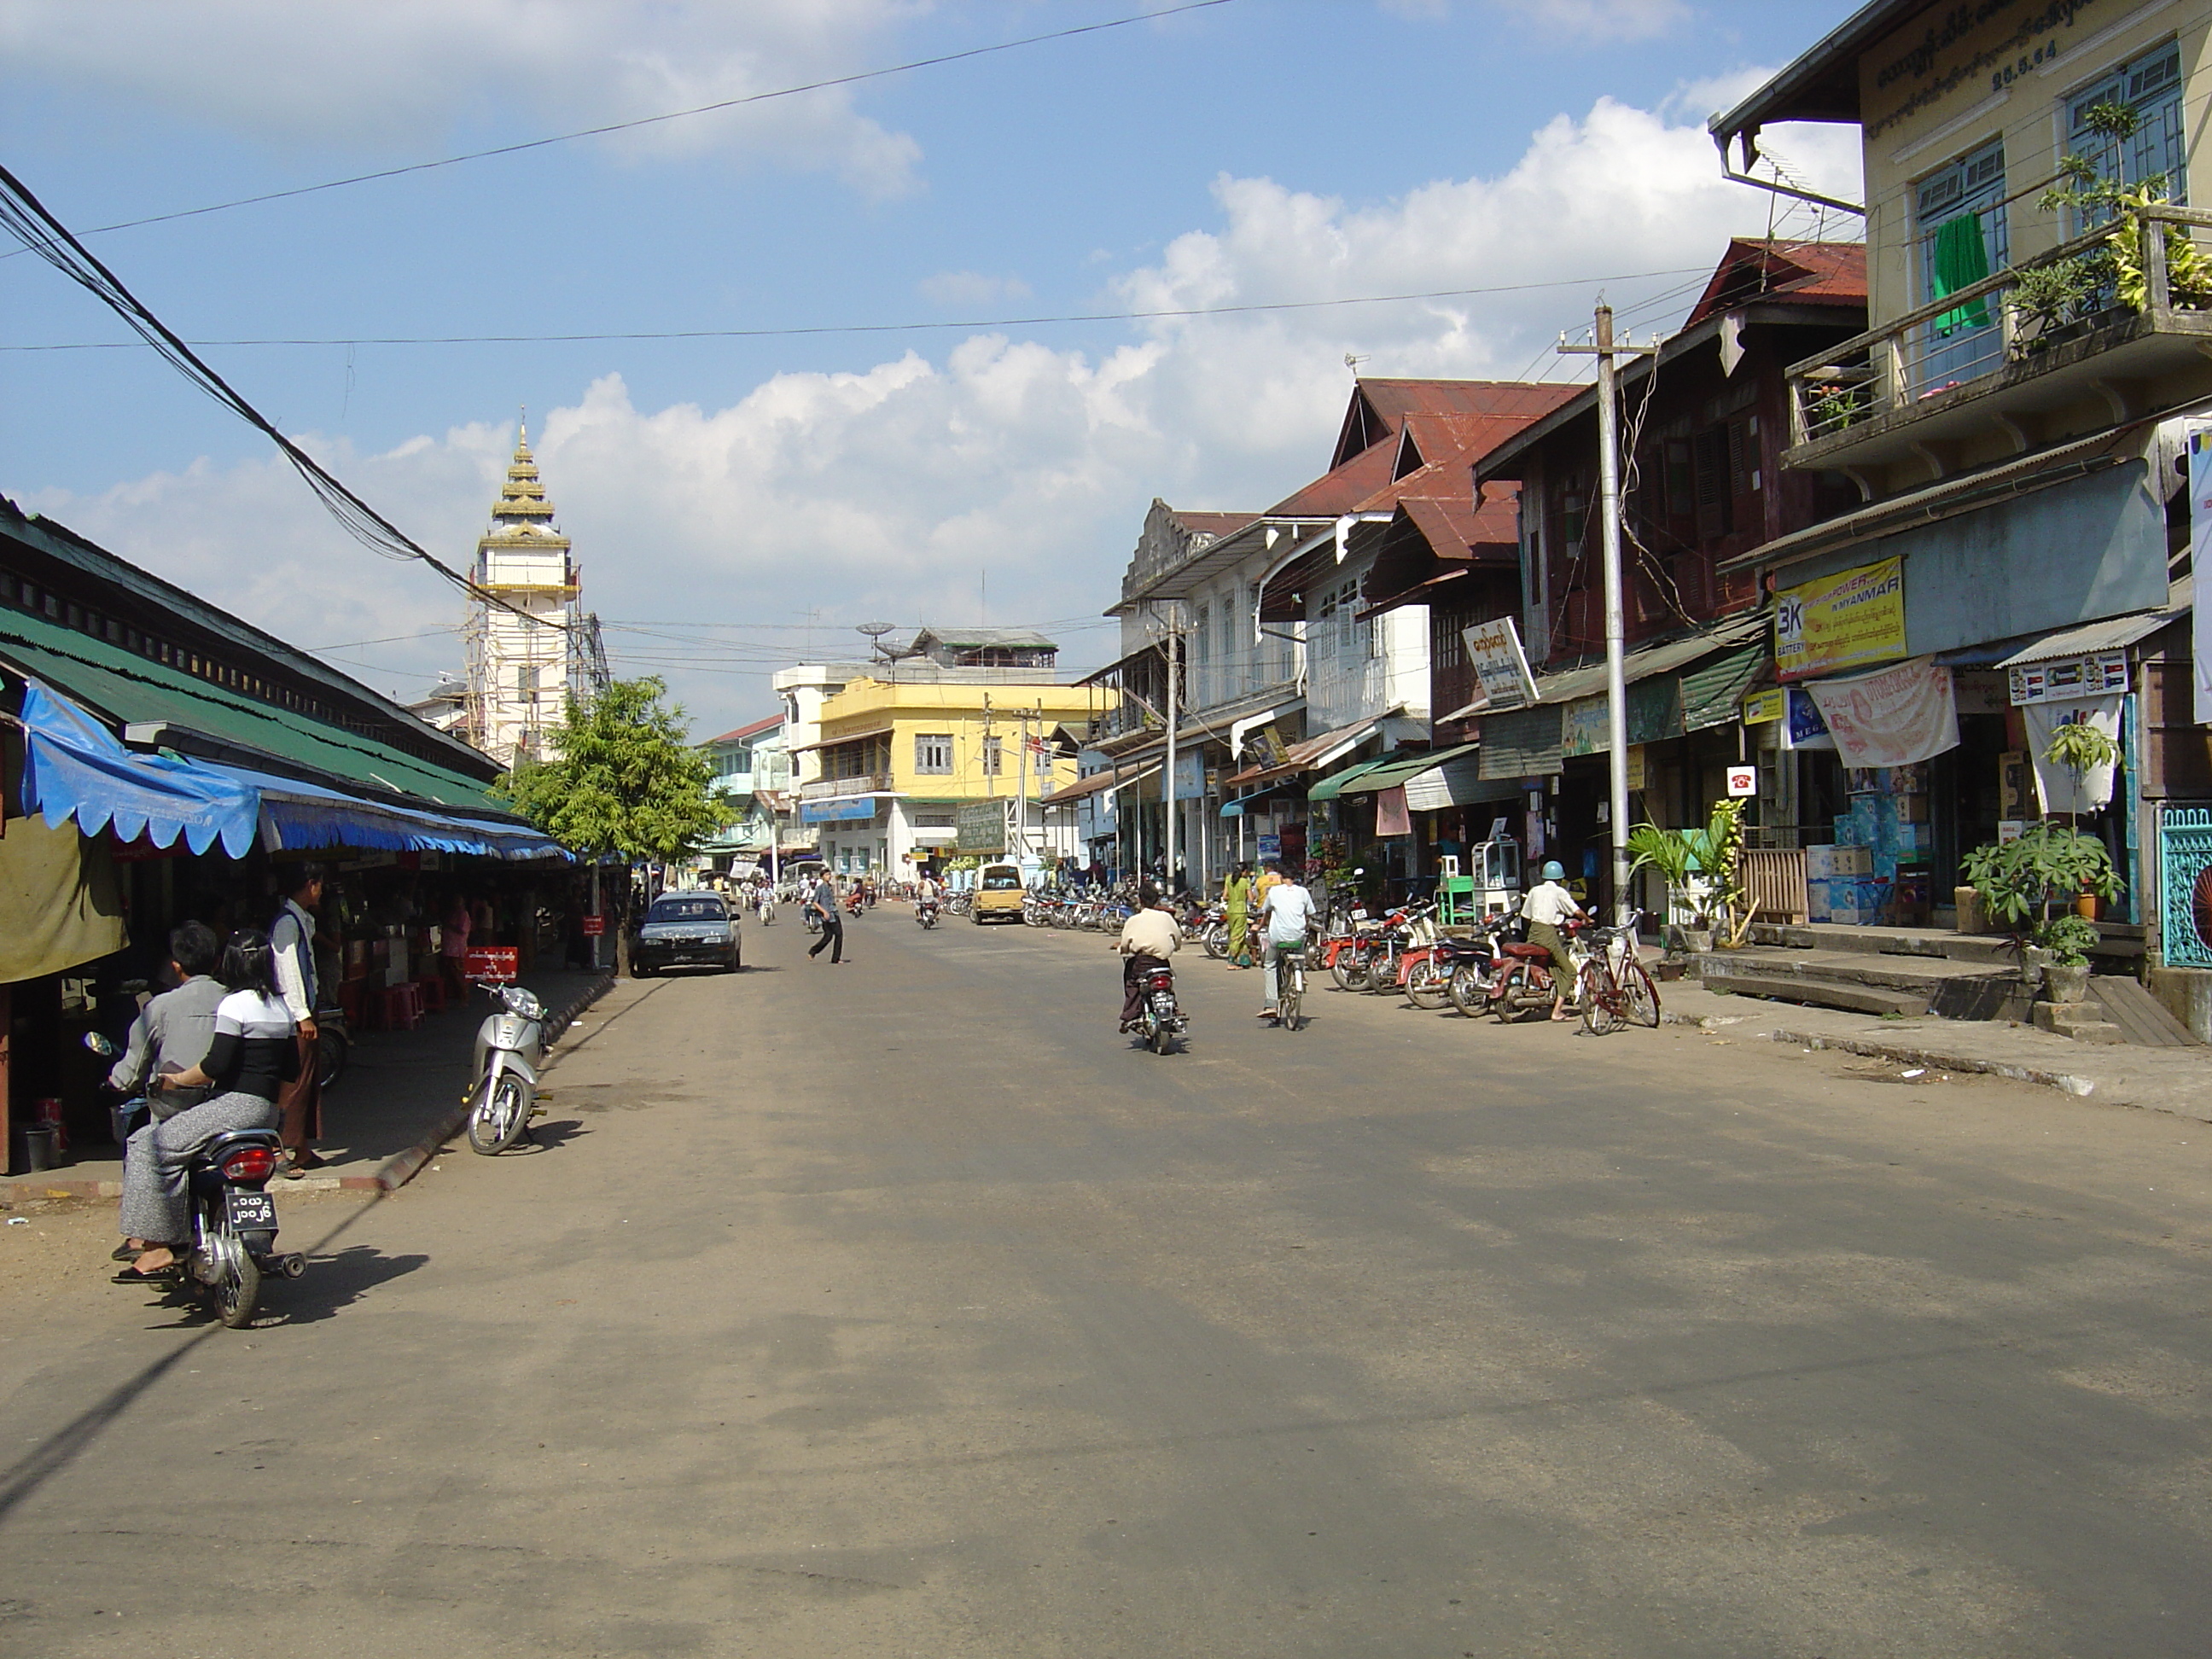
<point x="686" y="930"/>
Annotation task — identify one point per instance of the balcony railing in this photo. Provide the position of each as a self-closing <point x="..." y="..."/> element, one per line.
<point x="864" y="783"/>
<point x="2020" y="322"/>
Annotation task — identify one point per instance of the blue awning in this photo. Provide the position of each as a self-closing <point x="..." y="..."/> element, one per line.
<point x="296" y="815"/>
<point x="75" y="768"/>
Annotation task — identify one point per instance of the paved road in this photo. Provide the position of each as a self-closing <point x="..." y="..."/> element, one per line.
<point x="901" y="1308"/>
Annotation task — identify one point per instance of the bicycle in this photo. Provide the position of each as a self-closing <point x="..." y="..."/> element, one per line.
<point x="1613" y="987"/>
<point x="1290" y="985"/>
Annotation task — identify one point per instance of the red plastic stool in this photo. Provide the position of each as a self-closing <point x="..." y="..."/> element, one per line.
<point x="432" y="994"/>
<point x="403" y="1008"/>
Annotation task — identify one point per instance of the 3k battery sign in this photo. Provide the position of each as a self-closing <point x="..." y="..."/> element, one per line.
<point x="1851" y="619"/>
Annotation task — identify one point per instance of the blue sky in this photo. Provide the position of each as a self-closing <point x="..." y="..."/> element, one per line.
<point x="1260" y="151"/>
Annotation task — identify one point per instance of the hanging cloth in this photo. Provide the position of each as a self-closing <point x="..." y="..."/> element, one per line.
<point x="1962" y="258"/>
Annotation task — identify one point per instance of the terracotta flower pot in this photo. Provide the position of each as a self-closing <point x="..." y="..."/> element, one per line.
<point x="2084" y="905"/>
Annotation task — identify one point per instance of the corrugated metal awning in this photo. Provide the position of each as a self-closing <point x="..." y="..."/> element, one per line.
<point x="1522" y="743"/>
<point x="1589" y="682"/>
<point x="2112" y="633"/>
<point x="1712" y="692"/>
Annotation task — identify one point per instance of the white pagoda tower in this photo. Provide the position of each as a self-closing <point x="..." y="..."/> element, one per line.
<point x="526" y="657"/>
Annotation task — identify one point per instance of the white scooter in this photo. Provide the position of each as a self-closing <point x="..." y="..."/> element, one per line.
<point x="510" y="1047"/>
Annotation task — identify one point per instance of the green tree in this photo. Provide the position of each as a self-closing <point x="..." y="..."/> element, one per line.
<point x="622" y="780"/>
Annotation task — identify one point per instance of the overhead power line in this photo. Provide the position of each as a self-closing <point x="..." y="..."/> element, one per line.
<point x="900" y="328"/>
<point x="26" y="217"/>
<point x="602" y="130"/>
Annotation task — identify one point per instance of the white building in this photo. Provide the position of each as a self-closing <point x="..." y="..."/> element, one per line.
<point x="526" y="642"/>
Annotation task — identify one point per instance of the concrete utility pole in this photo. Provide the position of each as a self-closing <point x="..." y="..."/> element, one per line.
<point x="1616" y="619"/>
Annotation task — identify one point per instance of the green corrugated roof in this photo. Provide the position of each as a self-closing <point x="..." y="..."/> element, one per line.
<point x="1336" y="782"/>
<point x="132" y="689"/>
<point x="1712" y="692"/>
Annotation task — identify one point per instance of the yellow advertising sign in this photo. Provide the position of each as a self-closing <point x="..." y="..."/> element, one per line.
<point x="1761" y="708"/>
<point x="1847" y="619"/>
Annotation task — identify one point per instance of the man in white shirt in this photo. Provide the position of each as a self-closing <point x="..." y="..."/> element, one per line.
<point x="1284" y="915"/>
<point x="1148" y="939"/>
<point x="1548" y="906"/>
<point x="292" y="939"/>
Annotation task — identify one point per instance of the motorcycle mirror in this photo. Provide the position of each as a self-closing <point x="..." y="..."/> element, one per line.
<point x="104" y="1046"/>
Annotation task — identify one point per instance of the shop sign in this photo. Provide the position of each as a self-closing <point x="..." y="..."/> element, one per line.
<point x="1270" y="848"/>
<point x="1763" y="707"/>
<point x="1846" y="620"/>
<point x="594" y="927"/>
<point x="981" y="827"/>
<point x="1805" y="729"/>
<point x="835" y="812"/>
<point x="1190" y="775"/>
<point x="1501" y="667"/>
<point x="1967" y="51"/>
<point x="1742" y="782"/>
<point x="2106" y="671"/>
<point x="1654" y="714"/>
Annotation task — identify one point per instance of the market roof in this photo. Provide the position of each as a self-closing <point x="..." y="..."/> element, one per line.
<point x="1588" y="681"/>
<point x="1112" y="778"/>
<point x="1811" y="273"/>
<point x="59" y="543"/>
<point x="134" y="690"/>
<point x="2111" y="634"/>
<point x="1392" y="770"/>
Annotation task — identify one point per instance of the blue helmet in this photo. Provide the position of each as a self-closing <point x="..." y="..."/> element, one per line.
<point x="1554" y="871"/>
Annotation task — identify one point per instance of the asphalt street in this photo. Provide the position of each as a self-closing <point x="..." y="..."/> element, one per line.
<point x="902" y="1308"/>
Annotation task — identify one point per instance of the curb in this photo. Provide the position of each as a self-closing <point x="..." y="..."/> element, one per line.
<point x="398" y="1170"/>
<point x="1905" y="1054"/>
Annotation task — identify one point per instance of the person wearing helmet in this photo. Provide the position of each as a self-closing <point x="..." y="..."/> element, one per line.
<point x="1546" y="907"/>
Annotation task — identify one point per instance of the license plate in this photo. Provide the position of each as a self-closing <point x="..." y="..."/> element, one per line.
<point x="1359" y="915"/>
<point x="251" y="1212"/>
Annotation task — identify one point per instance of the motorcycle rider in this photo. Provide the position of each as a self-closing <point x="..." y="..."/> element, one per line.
<point x="1148" y="939"/>
<point x="1286" y="913"/>
<point x="174" y="1031"/>
<point x="928" y="895"/>
<point x="1547" y="905"/>
<point x="254" y="1052"/>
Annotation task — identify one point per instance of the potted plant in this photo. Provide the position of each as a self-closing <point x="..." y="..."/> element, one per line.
<point x="2021" y="882"/>
<point x="1699" y="867"/>
<point x="2067" y="940"/>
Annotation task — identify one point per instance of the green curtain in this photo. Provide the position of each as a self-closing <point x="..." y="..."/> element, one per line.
<point x="1962" y="258"/>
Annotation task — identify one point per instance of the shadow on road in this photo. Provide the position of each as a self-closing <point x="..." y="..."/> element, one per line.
<point x="23" y="1478"/>
<point x="333" y="1282"/>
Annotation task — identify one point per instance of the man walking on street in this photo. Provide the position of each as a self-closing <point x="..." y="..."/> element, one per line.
<point x="823" y="903"/>
<point x="292" y="941"/>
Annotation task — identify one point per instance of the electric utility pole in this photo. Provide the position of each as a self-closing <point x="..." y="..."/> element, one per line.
<point x="1616" y="620"/>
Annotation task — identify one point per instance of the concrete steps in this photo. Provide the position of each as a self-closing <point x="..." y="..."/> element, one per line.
<point x="1904" y="983"/>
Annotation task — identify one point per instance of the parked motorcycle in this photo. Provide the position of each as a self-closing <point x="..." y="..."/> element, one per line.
<point x="1524" y="980"/>
<point x="510" y="1047"/>
<point x="233" y="1242"/>
<point x="333" y="1042"/>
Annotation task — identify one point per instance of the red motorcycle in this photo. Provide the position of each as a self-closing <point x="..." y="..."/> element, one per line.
<point x="1522" y="980"/>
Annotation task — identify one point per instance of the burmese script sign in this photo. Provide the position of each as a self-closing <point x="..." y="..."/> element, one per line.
<point x="1846" y="620"/>
<point x="1974" y="49"/>
<point x="1501" y="668"/>
<point x="1896" y="717"/>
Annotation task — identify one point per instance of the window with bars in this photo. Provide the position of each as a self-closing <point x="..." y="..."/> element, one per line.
<point x="2158" y="152"/>
<point x="932" y="754"/>
<point x="1201" y="654"/>
<point x="995" y="757"/>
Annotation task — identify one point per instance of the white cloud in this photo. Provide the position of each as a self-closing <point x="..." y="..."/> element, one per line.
<point x="971" y="287"/>
<point x="886" y="491"/>
<point x="1619" y="20"/>
<point x="393" y="71"/>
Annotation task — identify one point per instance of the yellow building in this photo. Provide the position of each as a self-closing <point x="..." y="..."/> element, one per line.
<point x="897" y="762"/>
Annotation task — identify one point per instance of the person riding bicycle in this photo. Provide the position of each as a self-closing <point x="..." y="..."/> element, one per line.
<point x="1286" y="913"/>
<point x="1148" y="939"/>
<point x="1548" y="906"/>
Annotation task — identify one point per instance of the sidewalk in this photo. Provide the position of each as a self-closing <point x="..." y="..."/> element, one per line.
<point x="2176" y="1080"/>
<point x="398" y="1103"/>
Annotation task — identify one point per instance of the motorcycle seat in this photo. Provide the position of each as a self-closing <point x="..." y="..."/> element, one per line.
<point x="1527" y="953"/>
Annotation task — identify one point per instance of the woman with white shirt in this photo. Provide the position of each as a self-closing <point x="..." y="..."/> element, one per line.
<point x="253" y="1056"/>
<point x="1546" y="907"/>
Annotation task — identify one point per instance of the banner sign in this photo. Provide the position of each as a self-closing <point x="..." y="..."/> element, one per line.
<point x="1391" y="818"/>
<point x="1841" y="621"/>
<point x="981" y="826"/>
<point x="2061" y="790"/>
<point x="2070" y="677"/>
<point x="835" y="812"/>
<point x="1892" y="718"/>
<point x="2200" y="532"/>
<point x="1502" y="679"/>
